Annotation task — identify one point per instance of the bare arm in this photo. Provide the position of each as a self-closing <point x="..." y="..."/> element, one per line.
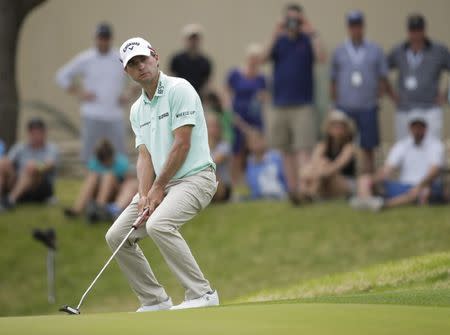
<point x="384" y="173"/>
<point x="430" y="177"/>
<point x="341" y="160"/>
<point x="145" y="171"/>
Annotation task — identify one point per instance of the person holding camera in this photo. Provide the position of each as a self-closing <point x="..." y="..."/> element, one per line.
<point x="294" y="49"/>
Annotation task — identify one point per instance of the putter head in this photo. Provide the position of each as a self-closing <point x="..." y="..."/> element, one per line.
<point x="69" y="310"/>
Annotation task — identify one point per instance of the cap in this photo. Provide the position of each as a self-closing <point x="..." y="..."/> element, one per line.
<point x="416" y="22"/>
<point x="192" y="29"/>
<point x="355" y="17"/>
<point x="103" y="30"/>
<point x="135" y="46"/>
<point x="415" y="117"/>
<point x="36" y="123"/>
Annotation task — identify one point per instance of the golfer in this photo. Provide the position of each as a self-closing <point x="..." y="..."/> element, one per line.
<point x="176" y="181"/>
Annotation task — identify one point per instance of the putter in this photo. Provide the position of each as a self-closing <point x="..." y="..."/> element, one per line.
<point x="76" y="311"/>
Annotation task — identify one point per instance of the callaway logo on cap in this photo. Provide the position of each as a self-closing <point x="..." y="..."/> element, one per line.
<point x="135" y="46"/>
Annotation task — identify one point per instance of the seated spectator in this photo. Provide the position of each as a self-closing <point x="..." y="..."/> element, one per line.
<point x="419" y="159"/>
<point x="331" y="171"/>
<point x="247" y="87"/>
<point x="221" y="155"/>
<point x="107" y="172"/>
<point x="213" y="104"/>
<point x="264" y="172"/>
<point x="27" y="173"/>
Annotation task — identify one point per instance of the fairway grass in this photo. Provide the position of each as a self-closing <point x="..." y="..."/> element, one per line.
<point x="261" y="319"/>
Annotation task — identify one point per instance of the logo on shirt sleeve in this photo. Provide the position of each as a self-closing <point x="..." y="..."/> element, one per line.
<point x="183" y="114"/>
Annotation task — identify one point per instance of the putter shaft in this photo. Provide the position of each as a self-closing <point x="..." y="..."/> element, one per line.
<point x="133" y="228"/>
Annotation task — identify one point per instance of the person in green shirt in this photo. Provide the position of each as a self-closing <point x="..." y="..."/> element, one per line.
<point x="176" y="176"/>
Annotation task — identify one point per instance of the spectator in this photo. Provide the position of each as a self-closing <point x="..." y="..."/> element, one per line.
<point x="191" y="64"/>
<point x="126" y="192"/>
<point x="107" y="172"/>
<point x="420" y="62"/>
<point x="2" y="148"/>
<point x="102" y="93"/>
<point x="358" y="70"/>
<point x="247" y="87"/>
<point x="291" y="125"/>
<point x="27" y="173"/>
<point x="331" y="171"/>
<point x="264" y="171"/>
<point x="212" y="103"/>
<point x="419" y="158"/>
<point x="221" y="155"/>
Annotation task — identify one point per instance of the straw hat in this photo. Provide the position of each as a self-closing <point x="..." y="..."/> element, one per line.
<point x="338" y="116"/>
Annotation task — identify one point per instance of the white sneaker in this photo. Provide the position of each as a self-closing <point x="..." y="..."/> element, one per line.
<point x="163" y="306"/>
<point x="206" y="300"/>
<point x="375" y="203"/>
<point x="357" y="203"/>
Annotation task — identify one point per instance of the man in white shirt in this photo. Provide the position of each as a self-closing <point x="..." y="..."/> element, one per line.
<point x="419" y="159"/>
<point x="101" y="92"/>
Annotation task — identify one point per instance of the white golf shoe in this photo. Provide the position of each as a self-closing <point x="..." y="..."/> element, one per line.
<point x="163" y="306"/>
<point x="206" y="300"/>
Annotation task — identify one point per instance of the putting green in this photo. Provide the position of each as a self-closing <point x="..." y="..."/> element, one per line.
<point x="281" y="318"/>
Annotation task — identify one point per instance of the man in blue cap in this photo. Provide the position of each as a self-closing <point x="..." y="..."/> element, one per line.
<point x="358" y="70"/>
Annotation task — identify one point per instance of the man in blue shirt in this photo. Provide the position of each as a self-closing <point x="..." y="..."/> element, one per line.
<point x="291" y="125"/>
<point x="358" y="71"/>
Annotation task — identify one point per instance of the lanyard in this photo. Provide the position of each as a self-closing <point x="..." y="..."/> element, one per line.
<point x="414" y="59"/>
<point x="356" y="54"/>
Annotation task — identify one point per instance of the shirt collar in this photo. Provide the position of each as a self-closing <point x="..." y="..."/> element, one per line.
<point x="428" y="44"/>
<point x="160" y="89"/>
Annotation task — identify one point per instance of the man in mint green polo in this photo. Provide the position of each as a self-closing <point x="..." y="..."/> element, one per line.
<point x="176" y="181"/>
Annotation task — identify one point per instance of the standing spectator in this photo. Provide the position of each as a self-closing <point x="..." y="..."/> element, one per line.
<point x="420" y="62"/>
<point x="419" y="159"/>
<point x="248" y="89"/>
<point x="191" y="64"/>
<point x="107" y="172"/>
<point x="221" y="155"/>
<point x="2" y="148"/>
<point x="101" y="94"/>
<point x="331" y="172"/>
<point x="291" y="125"/>
<point x="27" y="173"/>
<point x="358" y="69"/>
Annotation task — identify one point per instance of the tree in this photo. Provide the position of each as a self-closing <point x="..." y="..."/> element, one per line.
<point x="12" y="15"/>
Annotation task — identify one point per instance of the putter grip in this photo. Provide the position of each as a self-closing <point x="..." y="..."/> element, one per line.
<point x="140" y="218"/>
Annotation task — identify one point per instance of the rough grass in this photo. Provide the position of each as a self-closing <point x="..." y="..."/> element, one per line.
<point x="418" y="274"/>
<point x="242" y="248"/>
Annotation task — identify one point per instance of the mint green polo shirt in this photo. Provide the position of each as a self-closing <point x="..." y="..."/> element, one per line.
<point x="175" y="104"/>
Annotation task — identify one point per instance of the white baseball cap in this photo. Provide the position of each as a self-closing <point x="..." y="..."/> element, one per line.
<point x="135" y="46"/>
<point x="415" y="116"/>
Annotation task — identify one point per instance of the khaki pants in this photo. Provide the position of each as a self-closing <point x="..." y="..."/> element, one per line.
<point x="184" y="199"/>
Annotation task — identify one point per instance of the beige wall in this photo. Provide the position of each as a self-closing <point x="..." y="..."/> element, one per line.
<point x="59" y="29"/>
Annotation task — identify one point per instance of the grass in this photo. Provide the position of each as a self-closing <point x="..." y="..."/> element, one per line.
<point x="243" y="248"/>
<point x="259" y="319"/>
<point x="423" y="280"/>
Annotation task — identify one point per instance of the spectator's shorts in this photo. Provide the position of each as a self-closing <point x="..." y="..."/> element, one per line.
<point x="366" y="121"/>
<point x="394" y="189"/>
<point x="42" y="192"/>
<point x="434" y="117"/>
<point x="291" y="128"/>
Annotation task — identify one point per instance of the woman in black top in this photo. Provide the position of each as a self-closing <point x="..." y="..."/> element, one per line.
<point x="332" y="169"/>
